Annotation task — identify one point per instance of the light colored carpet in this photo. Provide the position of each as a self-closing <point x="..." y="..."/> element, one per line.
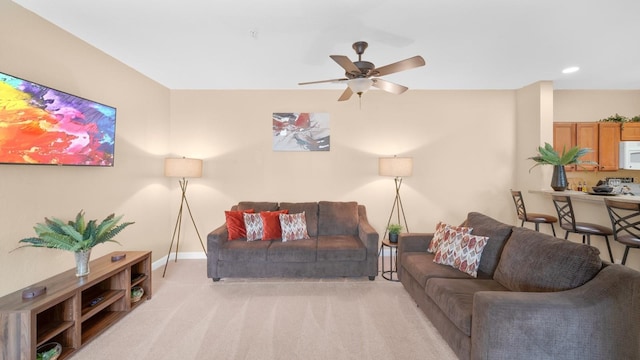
<point x="190" y="317"/>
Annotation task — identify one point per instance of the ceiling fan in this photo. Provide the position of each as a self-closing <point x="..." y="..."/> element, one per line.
<point x="361" y="75"/>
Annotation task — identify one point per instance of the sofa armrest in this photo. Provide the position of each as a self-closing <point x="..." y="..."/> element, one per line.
<point x="215" y="241"/>
<point x="598" y="320"/>
<point x="366" y="233"/>
<point x="414" y="242"/>
<point x="369" y="237"/>
<point x="411" y="242"/>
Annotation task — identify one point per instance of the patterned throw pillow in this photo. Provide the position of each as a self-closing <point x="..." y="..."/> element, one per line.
<point x="253" y="226"/>
<point x="442" y="232"/>
<point x="462" y="251"/>
<point x="271" y="224"/>
<point x="235" y="223"/>
<point x="294" y="226"/>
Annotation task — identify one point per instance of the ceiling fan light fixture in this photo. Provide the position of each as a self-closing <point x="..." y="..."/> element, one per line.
<point x="359" y="85"/>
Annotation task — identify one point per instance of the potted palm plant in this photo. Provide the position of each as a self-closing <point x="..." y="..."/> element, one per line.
<point x="78" y="236"/>
<point x="547" y="155"/>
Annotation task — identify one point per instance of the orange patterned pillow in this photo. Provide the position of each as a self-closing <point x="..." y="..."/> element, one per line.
<point x="294" y="226"/>
<point x="462" y="251"/>
<point x="442" y="232"/>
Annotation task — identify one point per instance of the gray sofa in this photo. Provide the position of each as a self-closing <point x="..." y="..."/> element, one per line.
<point x="342" y="243"/>
<point x="535" y="297"/>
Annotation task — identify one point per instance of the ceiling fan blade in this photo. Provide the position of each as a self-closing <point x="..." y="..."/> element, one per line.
<point x="389" y="86"/>
<point x="346" y="94"/>
<point x="345" y="63"/>
<point x="323" y="81"/>
<point x="402" y="65"/>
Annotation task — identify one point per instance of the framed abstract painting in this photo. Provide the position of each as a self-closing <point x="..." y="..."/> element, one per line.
<point x="301" y="132"/>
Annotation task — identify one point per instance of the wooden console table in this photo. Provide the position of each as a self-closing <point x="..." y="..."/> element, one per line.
<point x="74" y="310"/>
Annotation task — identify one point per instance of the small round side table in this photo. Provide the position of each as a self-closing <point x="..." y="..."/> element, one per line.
<point x="393" y="260"/>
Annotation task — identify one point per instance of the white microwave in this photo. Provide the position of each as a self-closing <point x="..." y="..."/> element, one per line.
<point x="630" y="155"/>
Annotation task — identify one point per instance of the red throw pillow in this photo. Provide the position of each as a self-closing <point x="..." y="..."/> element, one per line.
<point x="271" y="229"/>
<point x="235" y="223"/>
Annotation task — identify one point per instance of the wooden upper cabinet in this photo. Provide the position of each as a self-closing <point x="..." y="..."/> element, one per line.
<point x="630" y="132"/>
<point x="587" y="137"/>
<point x="564" y="137"/>
<point x="609" y="146"/>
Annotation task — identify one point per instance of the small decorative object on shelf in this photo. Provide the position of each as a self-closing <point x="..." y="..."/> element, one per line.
<point x="49" y="351"/>
<point x="79" y="236"/>
<point x="394" y="231"/>
<point x="32" y="292"/>
<point x="136" y="293"/>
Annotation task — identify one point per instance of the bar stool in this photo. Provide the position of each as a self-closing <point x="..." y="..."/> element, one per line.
<point x="568" y="222"/>
<point x="625" y="220"/>
<point x="535" y="218"/>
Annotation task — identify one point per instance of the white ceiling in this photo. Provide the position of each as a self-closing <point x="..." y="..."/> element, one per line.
<point x="259" y="44"/>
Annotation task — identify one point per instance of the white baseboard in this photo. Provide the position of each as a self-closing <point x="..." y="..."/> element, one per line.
<point x="181" y="256"/>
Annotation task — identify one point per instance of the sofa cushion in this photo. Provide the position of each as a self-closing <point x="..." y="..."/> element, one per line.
<point x="294" y="226"/>
<point x="337" y="218"/>
<point x="442" y="232"/>
<point x="532" y="261"/>
<point x="341" y="248"/>
<point x="498" y="234"/>
<point x="461" y="250"/>
<point x="244" y="251"/>
<point x="257" y="205"/>
<point x="310" y="210"/>
<point x="235" y="224"/>
<point x="421" y="267"/>
<point x="454" y="297"/>
<point x="271" y="229"/>
<point x="253" y="226"/>
<point x="293" y="251"/>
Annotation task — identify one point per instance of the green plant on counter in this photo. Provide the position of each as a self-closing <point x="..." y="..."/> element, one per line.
<point x="635" y="119"/>
<point x="78" y="235"/>
<point x="616" y="118"/>
<point x="547" y="155"/>
<point x="394" y="228"/>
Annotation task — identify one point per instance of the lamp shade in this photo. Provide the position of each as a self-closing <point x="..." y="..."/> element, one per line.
<point x="395" y="166"/>
<point x="359" y="85"/>
<point x="183" y="167"/>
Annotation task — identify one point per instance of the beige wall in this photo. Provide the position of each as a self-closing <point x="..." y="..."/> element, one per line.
<point x="461" y="142"/>
<point x="464" y="144"/>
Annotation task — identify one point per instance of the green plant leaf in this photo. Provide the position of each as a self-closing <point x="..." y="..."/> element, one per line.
<point x="75" y="235"/>
<point x="548" y="156"/>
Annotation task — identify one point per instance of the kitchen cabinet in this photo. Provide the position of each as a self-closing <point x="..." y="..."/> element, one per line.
<point x="609" y="146"/>
<point x="564" y="137"/>
<point x="587" y="137"/>
<point x="630" y="132"/>
<point x="601" y="137"/>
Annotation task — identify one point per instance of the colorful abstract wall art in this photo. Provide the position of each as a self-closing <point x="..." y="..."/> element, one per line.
<point x="301" y="132"/>
<point x="40" y="125"/>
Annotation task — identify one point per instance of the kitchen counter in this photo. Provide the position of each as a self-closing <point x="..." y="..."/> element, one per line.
<point x="582" y="196"/>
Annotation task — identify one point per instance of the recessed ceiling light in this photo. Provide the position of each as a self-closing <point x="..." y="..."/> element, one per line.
<point x="570" y="70"/>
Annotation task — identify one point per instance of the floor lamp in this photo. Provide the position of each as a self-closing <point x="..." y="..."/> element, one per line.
<point x="182" y="168"/>
<point x="397" y="167"/>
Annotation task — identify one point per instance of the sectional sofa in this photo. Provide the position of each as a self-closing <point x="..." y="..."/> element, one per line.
<point x="340" y="243"/>
<point x="534" y="296"/>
